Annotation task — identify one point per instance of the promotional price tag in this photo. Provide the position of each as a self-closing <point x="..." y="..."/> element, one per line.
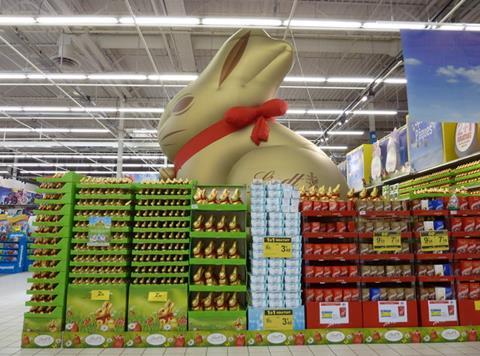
<point x="277" y="247"/>
<point x="100" y="295"/>
<point x="279" y="319"/>
<point x="387" y="241"/>
<point x="434" y="240"/>
<point x="157" y="296"/>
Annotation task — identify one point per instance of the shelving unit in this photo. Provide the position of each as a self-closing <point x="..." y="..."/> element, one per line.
<point x="331" y="274"/>
<point x="50" y="254"/>
<point x="218" y="280"/>
<point x="100" y="251"/>
<point x="160" y="267"/>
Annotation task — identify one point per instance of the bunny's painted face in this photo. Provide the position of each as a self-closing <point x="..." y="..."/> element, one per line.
<point x="246" y="71"/>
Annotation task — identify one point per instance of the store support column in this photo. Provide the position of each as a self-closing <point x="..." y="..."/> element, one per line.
<point x="121" y="136"/>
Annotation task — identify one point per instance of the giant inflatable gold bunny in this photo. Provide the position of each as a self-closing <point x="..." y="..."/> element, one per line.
<point x="220" y="129"/>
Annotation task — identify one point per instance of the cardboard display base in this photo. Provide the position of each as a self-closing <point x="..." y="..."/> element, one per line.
<point x="252" y="338"/>
<point x="469" y="311"/>
<point x="326" y="317"/>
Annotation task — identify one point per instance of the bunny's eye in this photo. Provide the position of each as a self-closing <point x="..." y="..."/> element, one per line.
<point x="183" y="105"/>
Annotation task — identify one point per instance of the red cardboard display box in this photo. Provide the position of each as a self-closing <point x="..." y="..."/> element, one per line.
<point x="334" y="315"/>
<point x="469" y="312"/>
<point x="438" y="312"/>
<point x="381" y="314"/>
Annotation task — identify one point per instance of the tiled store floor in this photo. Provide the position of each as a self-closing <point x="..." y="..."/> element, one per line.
<point x="12" y="298"/>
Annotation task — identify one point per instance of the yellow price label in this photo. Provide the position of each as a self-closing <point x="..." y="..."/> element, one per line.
<point x="477" y="305"/>
<point x="434" y="240"/>
<point x="387" y="241"/>
<point x="157" y="296"/>
<point x="100" y="295"/>
<point x="277" y="247"/>
<point x="279" y="319"/>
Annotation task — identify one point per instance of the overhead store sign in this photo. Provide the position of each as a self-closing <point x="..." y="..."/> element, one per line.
<point x="443" y="75"/>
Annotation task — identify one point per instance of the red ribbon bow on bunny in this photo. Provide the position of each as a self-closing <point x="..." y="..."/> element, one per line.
<point x="242" y="116"/>
<point x="233" y="120"/>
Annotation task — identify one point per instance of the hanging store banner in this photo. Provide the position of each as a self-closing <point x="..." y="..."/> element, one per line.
<point x="443" y="75"/>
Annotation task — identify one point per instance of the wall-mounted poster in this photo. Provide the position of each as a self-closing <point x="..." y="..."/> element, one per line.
<point x="425" y="144"/>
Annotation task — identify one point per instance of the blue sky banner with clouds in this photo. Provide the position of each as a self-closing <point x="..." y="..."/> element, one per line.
<point x="443" y="74"/>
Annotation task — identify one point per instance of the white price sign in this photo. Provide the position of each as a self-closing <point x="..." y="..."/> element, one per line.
<point x="392" y="311"/>
<point x="442" y="310"/>
<point x="334" y="313"/>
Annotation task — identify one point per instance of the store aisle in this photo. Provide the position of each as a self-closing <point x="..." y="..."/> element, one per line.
<point x="12" y="298"/>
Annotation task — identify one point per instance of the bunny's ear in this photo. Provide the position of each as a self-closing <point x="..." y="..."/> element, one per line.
<point x="233" y="57"/>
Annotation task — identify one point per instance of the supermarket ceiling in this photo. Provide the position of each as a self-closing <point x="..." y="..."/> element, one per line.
<point x="67" y="80"/>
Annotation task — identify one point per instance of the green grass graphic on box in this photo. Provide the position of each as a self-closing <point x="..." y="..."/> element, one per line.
<point x="157" y="307"/>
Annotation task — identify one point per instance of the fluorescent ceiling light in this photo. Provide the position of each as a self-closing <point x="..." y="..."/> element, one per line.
<point x="240" y="21"/>
<point x="395" y="81"/>
<point x="364" y="98"/>
<point x="324" y="112"/>
<point x="76" y="20"/>
<point x="115" y="76"/>
<point x="304" y="79"/>
<point x="345" y="133"/>
<point x="71" y="76"/>
<point x="12" y="76"/>
<point x="472" y="28"/>
<point x="94" y="109"/>
<point x="296" y="111"/>
<point x="51" y="130"/>
<point x="322" y="24"/>
<point x="333" y="148"/>
<point x="144" y="131"/>
<point x="10" y="108"/>
<point x="173" y="77"/>
<point x="79" y="156"/>
<point x="70" y="164"/>
<point x="16" y="20"/>
<point x="349" y="80"/>
<point x="393" y="25"/>
<point x="374" y="112"/>
<point x="15" y="129"/>
<point x="451" y="27"/>
<point x="89" y="131"/>
<point x="45" y="108"/>
<point x="152" y="110"/>
<point x="309" y="133"/>
<point x="160" y="21"/>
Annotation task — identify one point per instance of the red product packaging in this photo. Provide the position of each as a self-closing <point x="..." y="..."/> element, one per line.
<point x="344" y="271"/>
<point x="335" y="249"/>
<point x="319" y="271"/>
<point x="477" y="245"/>
<point x="474" y="203"/>
<point x="307" y="205"/>
<point x="476" y="268"/>
<point x="472" y="246"/>
<point x="309" y="248"/>
<point x="352" y="271"/>
<point x="341" y="226"/>
<point x="309" y="271"/>
<point x="344" y="249"/>
<point x="336" y="271"/>
<point x="457" y="224"/>
<point x="466" y="268"/>
<point x="337" y="294"/>
<point x="342" y="205"/>
<point x="327" y="271"/>
<point x="474" y="290"/>
<point x="418" y="226"/>
<point x="416" y="204"/>
<point x="347" y="294"/>
<point x="477" y="224"/>
<point x="310" y="295"/>
<point x="333" y="205"/>
<point x="323" y="227"/>
<point x="327" y="249"/>
<point x="319" y="295"/>
<point x="307" y="227"/>
<point x="317" y="205"/>
<point x="315" y="226"/>
<point x="351" y="227"/>
<point x="352" y="248"/>
<point x="328" y="295"/>
<point x="331" y="227"/>
<point x="469" y="224"/>
<point x="462" y="203"/>
<point x="462" y="291"/>
<point x="350" y="205"/>
<point x="325" y="205"/>
<point x="461" y="246"/>
<point x="355" y="294"/>
<point x="318" y="249"/>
